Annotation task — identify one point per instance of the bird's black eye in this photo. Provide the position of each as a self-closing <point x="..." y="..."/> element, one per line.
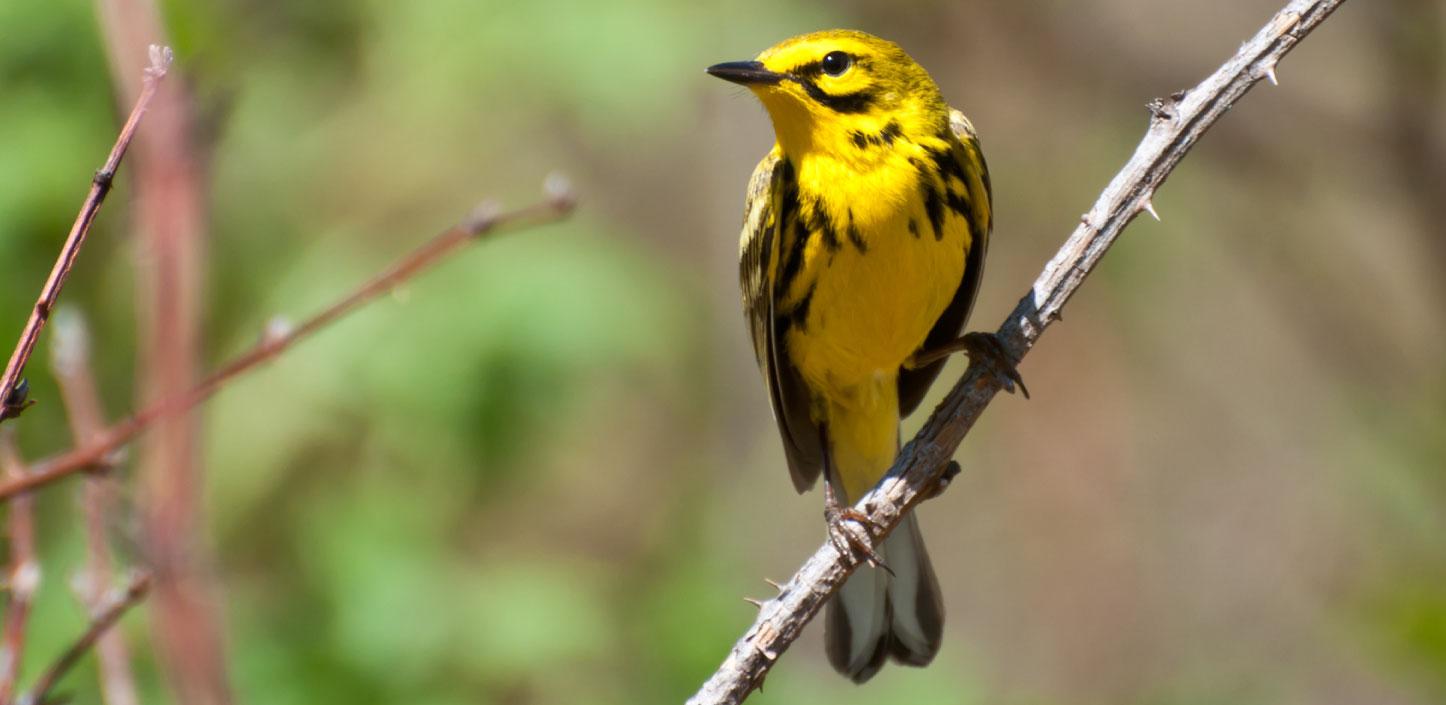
<point x="837" y="62"/>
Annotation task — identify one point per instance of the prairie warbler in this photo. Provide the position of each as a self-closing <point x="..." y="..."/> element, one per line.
<point x="862" y="249"/>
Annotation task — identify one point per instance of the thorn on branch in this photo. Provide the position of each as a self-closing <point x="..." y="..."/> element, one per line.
<point x="1149" y="207"/>
<point x="754" y="601"/>
<point x="1268" y="70"/>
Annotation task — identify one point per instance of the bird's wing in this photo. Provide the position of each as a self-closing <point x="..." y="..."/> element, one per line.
<point x="758" y="257"/>
<point x="914" y="383"/>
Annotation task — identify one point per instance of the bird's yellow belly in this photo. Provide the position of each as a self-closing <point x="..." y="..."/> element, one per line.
<point x="870" y="309"/>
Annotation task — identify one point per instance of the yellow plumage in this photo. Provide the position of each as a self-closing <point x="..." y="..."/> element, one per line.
<point x="863" y="243"/>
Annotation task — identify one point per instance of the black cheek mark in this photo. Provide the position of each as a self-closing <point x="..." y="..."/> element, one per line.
<point x="891" y="132"/>
<point x="849" y="103"/>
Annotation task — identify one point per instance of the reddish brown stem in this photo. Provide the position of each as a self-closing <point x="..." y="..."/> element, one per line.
<point x="100" y="185"/>
<point x="24" y="572"/>
<point x="70" y="359"/>
<point x="88" y="456"/>
<point x="100" y="623"/>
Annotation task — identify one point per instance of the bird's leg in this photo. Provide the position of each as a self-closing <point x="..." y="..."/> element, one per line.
<point x="849" y="530"/>
<point x="982" y="347"/>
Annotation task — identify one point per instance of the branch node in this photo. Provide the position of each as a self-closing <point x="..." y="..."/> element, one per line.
<point x="161" y="59"/>
<point x="483" y="216"/>
<point x="277" y="330"/>
<point x="559" y="191"/>
<point x="26" y="580"/>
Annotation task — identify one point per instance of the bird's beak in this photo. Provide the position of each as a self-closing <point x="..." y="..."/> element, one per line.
<point x="747" y="73"/>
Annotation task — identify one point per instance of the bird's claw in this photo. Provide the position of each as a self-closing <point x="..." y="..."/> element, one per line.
<point x="851" y="532"/>
<point x="982" y="347"/>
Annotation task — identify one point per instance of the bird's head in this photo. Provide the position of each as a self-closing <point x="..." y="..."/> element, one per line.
<point x="827" y="90"/>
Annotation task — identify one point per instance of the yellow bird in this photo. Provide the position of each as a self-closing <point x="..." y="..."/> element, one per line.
<point x="862" y="250"/>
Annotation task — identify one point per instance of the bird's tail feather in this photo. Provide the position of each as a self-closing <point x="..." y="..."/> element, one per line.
<point x="876" y="615"/>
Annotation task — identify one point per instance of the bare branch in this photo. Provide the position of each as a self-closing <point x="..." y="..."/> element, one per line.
<point x="70" y="359"/>
<point x="280" y="338"/>
<point x="1176" y="124"/>
<point x="102" y="620"/>
<point x="24" y="573"/>
<point x="12" y="396"/>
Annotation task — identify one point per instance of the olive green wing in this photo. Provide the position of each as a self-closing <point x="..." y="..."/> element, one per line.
<point x="758" y="256"/>
<point x="914" y="383"/>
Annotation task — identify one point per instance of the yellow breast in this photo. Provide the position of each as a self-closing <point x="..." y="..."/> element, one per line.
<point x="877" y="284"/>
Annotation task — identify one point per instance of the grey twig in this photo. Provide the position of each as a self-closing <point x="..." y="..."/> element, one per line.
<point x="1176" y="124"/>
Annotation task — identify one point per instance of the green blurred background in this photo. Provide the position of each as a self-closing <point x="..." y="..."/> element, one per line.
<point x="546" y="472"/>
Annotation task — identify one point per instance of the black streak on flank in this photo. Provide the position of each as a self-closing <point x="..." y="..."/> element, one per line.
<point x="856" y="237"/>
<point x="819" y="222"/>
<point x="798" y="317"/>
<point x="913" y="227"/>
<point x="949" y="166"/>
<point x="933" y="200"/>
<point x="791" y="250"/>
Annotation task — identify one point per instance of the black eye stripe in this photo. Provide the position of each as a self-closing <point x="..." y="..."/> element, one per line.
<point x="812" y="69"/>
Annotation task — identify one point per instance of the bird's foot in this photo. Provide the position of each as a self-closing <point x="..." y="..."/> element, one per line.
<point x="851" y="531"/>
<point x="981" y="347"/>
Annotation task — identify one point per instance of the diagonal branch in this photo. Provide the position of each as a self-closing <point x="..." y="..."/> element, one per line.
<point x="70" y="349"/>
<point x="1176" y="124"/>
<point x="103" y="619"/>
<point x="12" y="390"/>
<point x="278" y="339"/>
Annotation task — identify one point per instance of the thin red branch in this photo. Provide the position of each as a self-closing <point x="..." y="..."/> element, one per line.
<point x="115" y="608"/>
<point x="169" y="239"/>
<point x="11" y="402"/>
<point x="71" y="360"/>
<point x="88" y="456"/>
<point x="24" y="572"/>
